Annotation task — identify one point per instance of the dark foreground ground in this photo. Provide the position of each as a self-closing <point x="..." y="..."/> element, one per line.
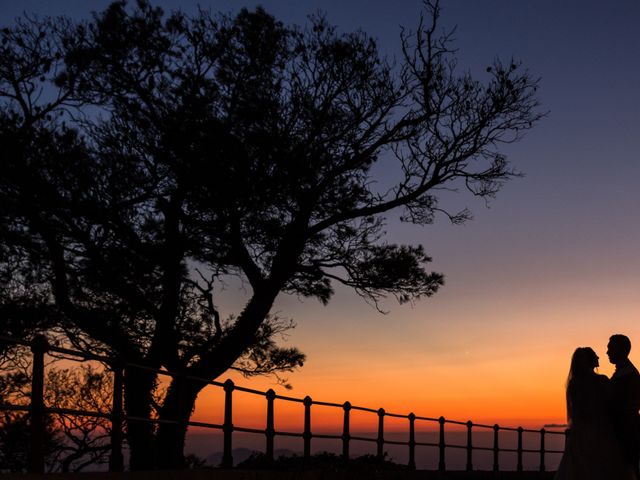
<point x="238" y="474"/>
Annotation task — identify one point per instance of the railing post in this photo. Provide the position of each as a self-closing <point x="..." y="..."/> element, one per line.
<point x="542" y="466"/>
<point x="39" y="347"/>
<point x="412" y="441"/>
<point x="227" y="426"/>
<point x="270" y="431"/>
<point x="307" y="427"/>
<point x="346" y="434"/>
<point x="441" y="446"/>
<point x="469" y="447"/>
<point x="496" y="448"/>
<point x="519" y="467"/>
<point x="116" y="459"/>
<point x="380" y="440"/>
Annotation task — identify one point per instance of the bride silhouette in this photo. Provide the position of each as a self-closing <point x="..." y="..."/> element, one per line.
<point x="591" y="451"/>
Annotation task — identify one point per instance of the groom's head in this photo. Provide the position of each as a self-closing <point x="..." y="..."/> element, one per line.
<point x="618" y="348"/>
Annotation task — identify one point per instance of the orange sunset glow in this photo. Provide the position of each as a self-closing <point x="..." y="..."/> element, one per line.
<point x="488" y="366"/>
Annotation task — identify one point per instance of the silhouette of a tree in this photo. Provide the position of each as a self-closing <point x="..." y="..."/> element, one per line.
<point x="72" y="442"/>
<point x="148" y="157"/>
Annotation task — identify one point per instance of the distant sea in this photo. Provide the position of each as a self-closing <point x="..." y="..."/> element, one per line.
<point x="209" y="446"/>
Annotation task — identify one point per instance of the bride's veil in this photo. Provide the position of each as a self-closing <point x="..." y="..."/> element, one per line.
<point x="581" y="396"/>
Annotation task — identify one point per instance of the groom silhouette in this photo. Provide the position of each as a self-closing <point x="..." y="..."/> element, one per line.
<point x="625" y="387"/>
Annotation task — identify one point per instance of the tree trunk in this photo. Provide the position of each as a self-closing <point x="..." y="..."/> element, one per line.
<point x="177" y="407"/>
<point x="138" y="388"/>
<point x="181" y="396"/>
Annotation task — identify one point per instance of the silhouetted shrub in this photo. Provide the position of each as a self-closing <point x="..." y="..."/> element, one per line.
<point x="321" y="461"/>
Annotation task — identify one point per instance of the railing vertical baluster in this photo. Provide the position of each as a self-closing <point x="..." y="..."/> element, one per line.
<point x="346" y="433"/>
<point x="116" y="459"/>
<point x="496" y="448"/>
<point x="469" y="447"/>
<point x="227" y="426"/>
<point x="39" y="347"/>
<point x="307" y="427"/>
<point x="412" y="441"/>
<point x="270" y="431"/>
<point x="519" y="467"/>
<point x="542" y="466"/>
<point x="441" y="446"/>
<point x="380" y="439"/>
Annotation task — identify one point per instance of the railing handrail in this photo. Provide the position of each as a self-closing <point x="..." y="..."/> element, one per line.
<point x="37" y="409"/>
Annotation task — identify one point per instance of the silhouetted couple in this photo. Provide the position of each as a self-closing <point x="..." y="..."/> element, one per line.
<point x="604" y="424"/>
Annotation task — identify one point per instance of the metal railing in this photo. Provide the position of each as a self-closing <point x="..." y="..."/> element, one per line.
<point x="38" y="411"/>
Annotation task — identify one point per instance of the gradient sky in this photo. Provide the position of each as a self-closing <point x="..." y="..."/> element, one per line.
<point x="552" y="264"/>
